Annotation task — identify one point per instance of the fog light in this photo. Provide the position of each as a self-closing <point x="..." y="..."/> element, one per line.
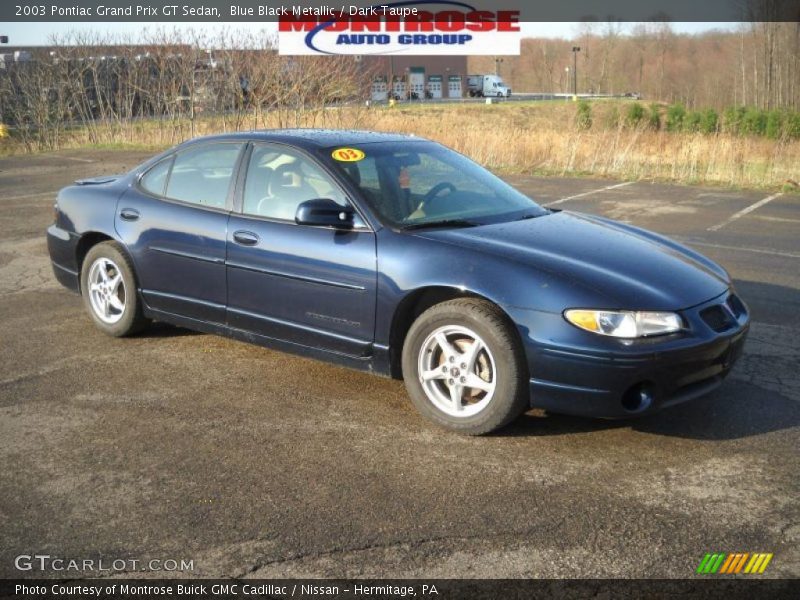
<point x="638" y="398"/>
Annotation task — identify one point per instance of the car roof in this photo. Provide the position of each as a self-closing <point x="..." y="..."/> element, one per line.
<point x="312" y="138"/>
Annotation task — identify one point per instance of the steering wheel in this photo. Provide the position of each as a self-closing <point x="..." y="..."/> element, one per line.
<point x="438" y="188"/>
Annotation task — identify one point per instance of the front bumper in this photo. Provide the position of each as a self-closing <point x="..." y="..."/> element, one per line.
<point x="591" y="375"/>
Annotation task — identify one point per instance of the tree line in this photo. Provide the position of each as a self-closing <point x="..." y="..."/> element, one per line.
<point x="110" y="87"/>
<point x="756" y="65"/>
<point x="104" y="85"/>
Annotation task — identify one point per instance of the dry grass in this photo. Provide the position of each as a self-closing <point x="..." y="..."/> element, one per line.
<point x="535" y="138"/>
<point x="543" y="139"/>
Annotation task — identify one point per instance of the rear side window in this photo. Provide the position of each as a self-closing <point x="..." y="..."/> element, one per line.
<point x="200" y="175"/>
<point x="203" y="175"/>
<point x="155" y="180"/>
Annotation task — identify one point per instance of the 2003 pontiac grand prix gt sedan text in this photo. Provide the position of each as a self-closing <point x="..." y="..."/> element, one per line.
<point x="396" y="255"/>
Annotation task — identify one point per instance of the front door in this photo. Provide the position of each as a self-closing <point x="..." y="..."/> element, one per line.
<point x="313" y="286"/>
<point x="174" y="222"/>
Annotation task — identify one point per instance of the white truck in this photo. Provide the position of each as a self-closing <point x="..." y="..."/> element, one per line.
<point x="490" y="86"/>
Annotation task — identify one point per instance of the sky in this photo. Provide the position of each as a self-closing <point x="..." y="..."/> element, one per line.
<point x="38" y="34"/>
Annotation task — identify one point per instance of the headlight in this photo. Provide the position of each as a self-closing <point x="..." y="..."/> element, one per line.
<point x="624" y="323"/>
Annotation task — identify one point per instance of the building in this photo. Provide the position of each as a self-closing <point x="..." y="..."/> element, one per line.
<point x="403" y="77"/>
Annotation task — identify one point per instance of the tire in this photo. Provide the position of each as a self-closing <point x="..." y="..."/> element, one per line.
<point x="499" y="367"/>
<point x="113" y="304"/>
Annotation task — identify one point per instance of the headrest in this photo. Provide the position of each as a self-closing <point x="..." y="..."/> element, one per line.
<point x="354" y="173"/>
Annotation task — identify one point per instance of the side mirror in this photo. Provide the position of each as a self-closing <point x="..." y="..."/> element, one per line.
<point x="324" y="212"/>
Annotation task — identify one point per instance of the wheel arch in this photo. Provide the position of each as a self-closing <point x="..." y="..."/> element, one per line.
<point x="417" y="302"/>
<point x="89" y="240"/>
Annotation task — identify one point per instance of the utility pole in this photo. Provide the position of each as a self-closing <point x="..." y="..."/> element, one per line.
<point x="575" y="50"/>
<point x="3" y="128"/>
<point x="391" y="80"/>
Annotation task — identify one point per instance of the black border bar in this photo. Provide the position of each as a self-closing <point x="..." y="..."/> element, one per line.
<point x="530" y="10"/>
<point x="711" y="588"/>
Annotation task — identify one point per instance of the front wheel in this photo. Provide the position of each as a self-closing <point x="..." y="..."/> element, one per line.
<point x="108" y="286"/>
<point x="464" y="367"/>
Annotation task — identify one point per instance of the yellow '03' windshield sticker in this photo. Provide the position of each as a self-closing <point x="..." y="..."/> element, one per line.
<point x="348" y="154"/>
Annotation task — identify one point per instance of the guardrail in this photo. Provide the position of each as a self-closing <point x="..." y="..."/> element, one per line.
<point x="515" y="97"/>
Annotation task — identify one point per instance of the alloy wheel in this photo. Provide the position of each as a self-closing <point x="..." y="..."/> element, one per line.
<point x="457" y="371"/>
<point x="106" y="290"/>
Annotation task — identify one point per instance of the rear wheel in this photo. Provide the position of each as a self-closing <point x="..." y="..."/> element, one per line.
<point x="464" y="368"/>
<point x="108" y="285"/>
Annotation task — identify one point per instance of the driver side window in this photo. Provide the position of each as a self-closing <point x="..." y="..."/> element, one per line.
<point x="280" y="179"/>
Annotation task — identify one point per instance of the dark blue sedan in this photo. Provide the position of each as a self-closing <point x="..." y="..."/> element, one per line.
<point x="396" y="255"/>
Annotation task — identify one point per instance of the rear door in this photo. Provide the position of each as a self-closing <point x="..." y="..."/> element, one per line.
<point x="174" y="222"/>
<point x="313" y="286"/>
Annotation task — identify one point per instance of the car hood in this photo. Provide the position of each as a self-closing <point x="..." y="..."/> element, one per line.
<point x="626" y="267"/>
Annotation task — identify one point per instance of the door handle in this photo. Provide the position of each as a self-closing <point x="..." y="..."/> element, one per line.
<point x="245" y="238"/>
<point x="129" y="214"/>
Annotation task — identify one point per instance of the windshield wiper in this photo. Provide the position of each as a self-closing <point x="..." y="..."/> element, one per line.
<point x="442" y="223"/>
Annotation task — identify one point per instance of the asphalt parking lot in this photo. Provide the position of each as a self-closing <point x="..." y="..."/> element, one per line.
<point x="176" y="445"/>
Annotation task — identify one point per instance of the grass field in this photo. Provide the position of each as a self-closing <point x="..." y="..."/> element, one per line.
<point x="512" y="137"/>
<point x="543" y="138"/>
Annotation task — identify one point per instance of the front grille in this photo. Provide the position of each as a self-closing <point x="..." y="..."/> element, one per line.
<point x="722" y="317"/>
<point x="717" y="318"/>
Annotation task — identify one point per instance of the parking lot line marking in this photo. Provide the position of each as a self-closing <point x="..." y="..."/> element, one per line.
<point x="692" y="242"/>
<point x="743" y="212"/>
<point x="590" y="192"/>
<point x="777" y="219"/>
<point x="23" y="196"/>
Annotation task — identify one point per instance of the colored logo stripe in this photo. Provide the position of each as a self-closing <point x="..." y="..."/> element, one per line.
<point x="727" y="564"/>
<point x="733" y="563"/>
<point x="711" y="562"/>
<point x="758" y="563"/>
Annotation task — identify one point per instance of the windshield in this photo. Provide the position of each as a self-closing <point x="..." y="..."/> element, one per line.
<point x="411" y="184"/>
